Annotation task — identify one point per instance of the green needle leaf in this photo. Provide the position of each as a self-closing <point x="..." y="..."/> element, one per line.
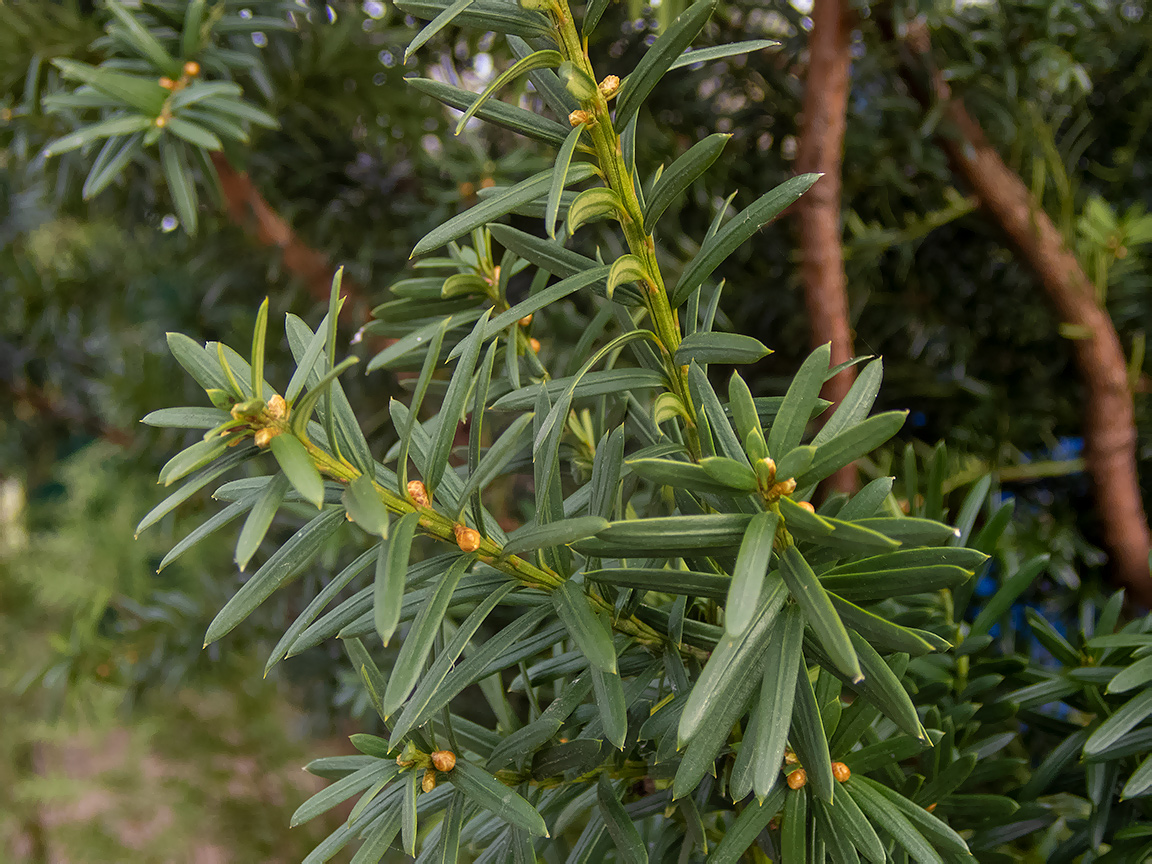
<point x="144" y="94"/>
<point x="539" y="60"/>
<point x="279" y="569"/>
<point x="792" y="418"/>
<point x="705" y="55"/>
<point x="609" y="690"/>
<point x="559" y="177"/>
<point x="138" y="36"/>
<point x="302" y="411"/>
<point x="659" y="59"/>
<point x="487" y="792"/>
<point x="623" y="831"/>
<point x="452" y="408"/>
<point x="495" y="15"/>
<point x="258" y="337"/>
<point x="258" y="521"/>
<point x="591" y="205"/>
<point x="410" y="663"/>
<point x="493" y="208"/>
<point x="365" y="507"/>
<point x="299" y="467"/>
<point x="532" y="536"/>
<point x="585" y="627"/>
<point x="681" y="174"/>
<point x="1132" y="713"/>
<point x="501" y="114"/>
<point x="435" y="26"/>
<point x="783" y="662"/>
<point x="739" y="229"/>
<point x="819" y="612"/>
<point x="707" y="348"/>
<point x="810" y="739"/>
<point x="625" y="269"/>
<point x="732" y="655"/>
<point x="391" y="568"/>
<point x="748" y="575"/>
<point x="430" y="684"/>
<point x="179" y="182"/>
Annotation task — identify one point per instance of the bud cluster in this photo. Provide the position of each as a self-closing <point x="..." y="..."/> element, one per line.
<point x="265" y="419"/>
<point x="191" y="70"/>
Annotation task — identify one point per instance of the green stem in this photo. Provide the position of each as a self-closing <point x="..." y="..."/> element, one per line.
<point x="630" y="771"/>
<point x="619" y="179"/>
<point x="440" y="527"/>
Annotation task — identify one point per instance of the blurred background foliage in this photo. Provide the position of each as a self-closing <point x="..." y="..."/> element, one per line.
<point x="102" y="655"/>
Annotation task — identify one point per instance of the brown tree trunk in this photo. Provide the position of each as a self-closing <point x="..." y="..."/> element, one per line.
<point x="1110" y="421"/>
<point x="249" y="209"/>
<point x="821" y="234"/>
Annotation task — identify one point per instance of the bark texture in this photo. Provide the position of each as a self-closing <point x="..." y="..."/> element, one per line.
<point x="1109" y="419"/>
<point x="821" y="149"/>
<point x="249" y="209"/>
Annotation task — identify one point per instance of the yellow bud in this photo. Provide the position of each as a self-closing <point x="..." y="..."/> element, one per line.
<point x="766" y="471"/>
<point x="841" y="771"/>
<point x="609" y="86"/>
<point x="264" y="436"/>
<point x="797" y="779"/>
<point x="790" y="758"/>
<point x="418" y="493"/>
<point x="468" y="539"/>
<point x="526" y="321"/>
<point x="784" y="487"/>
<point x="277" y="407"/>
<point x="535" y="345"/>
<point x="429" y="781"/>
<point x="191" y="68"/>
<point x="931" y="808"/>
<point x="167" y="83"/>
<point x="579" y="116"/>
<point x="161" y="122"/>
<point x="805" y="505"/>
<point x="444" y="760"/>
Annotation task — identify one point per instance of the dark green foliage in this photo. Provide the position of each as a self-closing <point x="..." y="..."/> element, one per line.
<point x="633" y="672"/>
<point x="601" y="627"/>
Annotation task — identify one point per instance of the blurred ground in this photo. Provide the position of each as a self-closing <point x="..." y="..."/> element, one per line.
<point x="107" y="754"/>
<point x="165" y="788"/>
